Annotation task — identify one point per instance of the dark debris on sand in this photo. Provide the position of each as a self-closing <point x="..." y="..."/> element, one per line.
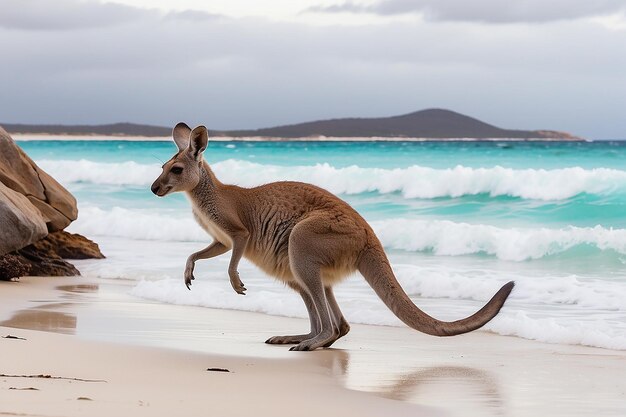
<point x="217" y="370"/>
<point x="9" y="336"/>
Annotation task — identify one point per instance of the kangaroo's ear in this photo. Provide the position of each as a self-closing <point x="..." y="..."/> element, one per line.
<point x="181" y="134"/>
<point x="198" y="141"/>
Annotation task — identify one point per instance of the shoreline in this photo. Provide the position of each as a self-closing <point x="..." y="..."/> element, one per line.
<point x="25" y="137"/>
<point x="158" y="346"/>
<point x="52" y="371"/>
<point x="104" y="379"/>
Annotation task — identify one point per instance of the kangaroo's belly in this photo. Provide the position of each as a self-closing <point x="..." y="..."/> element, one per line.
<point x="278" y="265"/>
<point x="274" y="264"/>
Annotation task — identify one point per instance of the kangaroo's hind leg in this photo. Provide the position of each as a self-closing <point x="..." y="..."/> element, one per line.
<point x="313" y="318"/>
<point x="313" y="245"/>
<point x="339" y="321"/>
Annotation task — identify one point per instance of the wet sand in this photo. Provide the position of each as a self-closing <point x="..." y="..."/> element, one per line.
<point x="158" y="354"/>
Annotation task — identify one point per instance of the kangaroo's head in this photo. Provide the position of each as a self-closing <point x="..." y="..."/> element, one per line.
<point x="182" y="172"/>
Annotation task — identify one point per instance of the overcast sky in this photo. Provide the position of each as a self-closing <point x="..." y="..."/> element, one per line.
<point x="531" y="64"/>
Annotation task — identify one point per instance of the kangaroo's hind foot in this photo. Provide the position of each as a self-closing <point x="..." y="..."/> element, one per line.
<point x="289" y="339"/>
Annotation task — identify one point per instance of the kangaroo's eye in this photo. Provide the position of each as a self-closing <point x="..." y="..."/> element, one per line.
<point x="176" y="170"/>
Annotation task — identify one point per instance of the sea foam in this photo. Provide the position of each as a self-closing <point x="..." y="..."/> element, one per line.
<point x="440" y="237"/>
<point x="412" y="182"/>
<point x="443" y="237"/>
<point x="546" y="310"/>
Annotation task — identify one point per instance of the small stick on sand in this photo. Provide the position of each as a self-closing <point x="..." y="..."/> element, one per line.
<point x="12" y="337"/>
<point x="42" y="376"/>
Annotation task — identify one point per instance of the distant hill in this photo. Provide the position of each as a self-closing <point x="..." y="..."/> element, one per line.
<point x="428" y="124"/>
<point x="431" y="123"/>
<point x="116" y="129"/>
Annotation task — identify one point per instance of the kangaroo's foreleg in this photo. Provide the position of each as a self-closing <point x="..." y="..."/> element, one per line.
<point x="341" y="325"/>
<point x="240" y="240"/>
<point x="313" y="319"/>
<point x="214" y="249"/>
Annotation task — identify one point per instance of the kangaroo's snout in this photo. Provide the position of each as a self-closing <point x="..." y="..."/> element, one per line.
<point x="155" y="188"/>
<point x="160" y="190"/>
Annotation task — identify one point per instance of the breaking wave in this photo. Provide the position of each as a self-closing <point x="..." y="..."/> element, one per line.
<point x="440" y="237"/>
<point x="412" y="182"/>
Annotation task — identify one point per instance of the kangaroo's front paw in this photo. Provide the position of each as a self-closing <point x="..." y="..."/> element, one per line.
<point x="236" y="283"/>
<point x="189" y="274"/>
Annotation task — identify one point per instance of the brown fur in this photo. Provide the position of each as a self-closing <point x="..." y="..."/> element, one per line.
<point x="301" y="234"/>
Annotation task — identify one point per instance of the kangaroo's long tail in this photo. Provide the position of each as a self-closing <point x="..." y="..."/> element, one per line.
<point x="375" y="267"/>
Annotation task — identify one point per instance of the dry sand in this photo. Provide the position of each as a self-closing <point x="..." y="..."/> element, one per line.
<point x="154" y="357"/>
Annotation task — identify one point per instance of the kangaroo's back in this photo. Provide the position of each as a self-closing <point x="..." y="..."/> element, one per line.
<point x="271" y="211"/>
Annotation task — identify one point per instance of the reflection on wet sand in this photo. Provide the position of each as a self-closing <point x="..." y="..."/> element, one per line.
<point x="337" y="361"/>
<point x="45" y="316"/>
<point x="49" y="321"/>
<point x="80" y="288"/>
<point x="467" y="384"/>
<point x="77" y="292"/>
<point x="476" y="389"/>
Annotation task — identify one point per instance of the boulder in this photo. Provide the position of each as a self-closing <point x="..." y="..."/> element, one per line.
<point x="21" y="223"/>
<point x="19" y="173"/>
<point x="12" y="266"/>
<point x="68" y="246"/>
<point x="46" y="256"/>
<point x="34" y="210"/>
<point x="44" y="264"/>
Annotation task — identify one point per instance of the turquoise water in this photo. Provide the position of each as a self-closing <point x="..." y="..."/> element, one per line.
<point x="582" y="209"/>
<point x="457" y="219"/>
<point x="547" y="155"/>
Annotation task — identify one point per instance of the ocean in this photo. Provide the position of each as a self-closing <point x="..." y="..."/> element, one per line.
<point x="458" y="220"/>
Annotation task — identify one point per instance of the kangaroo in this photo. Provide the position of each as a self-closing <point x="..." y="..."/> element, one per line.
<point x="300" y="234"/>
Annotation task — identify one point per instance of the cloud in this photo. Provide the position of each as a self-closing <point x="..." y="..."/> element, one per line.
<point x="485" y="11"/>
<point x="229" y="73"/>
<point x="64" y="14"/>
<point x="47" y="15"/>
<point x="192" y="15"/>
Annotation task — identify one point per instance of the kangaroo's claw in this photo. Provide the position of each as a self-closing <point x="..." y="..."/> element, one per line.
<point x="189" y="274"/>
<point x="236" y="283"/>
<point x="188" y="281"/>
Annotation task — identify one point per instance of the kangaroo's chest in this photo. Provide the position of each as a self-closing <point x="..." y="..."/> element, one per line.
<point x="211" y="227"/>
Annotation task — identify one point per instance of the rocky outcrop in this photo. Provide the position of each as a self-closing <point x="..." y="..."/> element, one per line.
<point x="19" y="173"/>
<point x="12" y="266"/>
<point x="47" y="256"/>
<point x="69" y="246"/>
<point x="21" y="223"/>
<point x="34" y="210"/>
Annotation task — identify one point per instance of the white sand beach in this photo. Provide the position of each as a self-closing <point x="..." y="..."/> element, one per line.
<point x="154" y="359"/>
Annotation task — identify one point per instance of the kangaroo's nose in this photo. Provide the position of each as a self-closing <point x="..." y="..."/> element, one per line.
<point x="155" y="188"/>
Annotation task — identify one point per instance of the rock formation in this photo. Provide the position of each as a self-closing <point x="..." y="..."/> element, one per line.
<point x="21" y="223"/>
<point x="21" y="174"/>
<point x="11" y="266"/>
<point x="34" y="210"/>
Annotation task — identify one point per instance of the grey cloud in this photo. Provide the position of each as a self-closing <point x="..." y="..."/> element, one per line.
<point x="192" y="15"/>
<point x="485" y="11"/>
<point x="47" y="15"/>
<point x="64" y="14"/>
